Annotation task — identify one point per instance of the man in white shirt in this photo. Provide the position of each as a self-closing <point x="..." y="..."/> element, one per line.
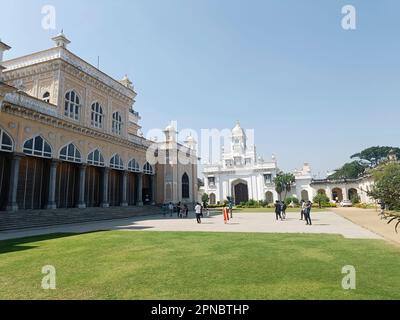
<point x="198" y="209"/>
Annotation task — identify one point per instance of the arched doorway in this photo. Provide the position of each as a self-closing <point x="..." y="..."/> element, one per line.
<point x="337" y="194"/>
<point x="213" y="199"/>
<point x="240" y="191"/>
<point x="185" y="186"/>
<point x="321" y="191"/>
<point x="353" y="194"/>
<point x="269" y="197"/>
<point x="304" y="195"/>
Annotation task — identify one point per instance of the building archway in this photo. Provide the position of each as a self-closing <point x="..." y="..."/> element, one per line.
<point x="269" y="197"/>
<point x="321" y="191"/>
<point x="213" y="199"/>
<point x="352" y="193"/>
<point x="337" y="194"/>
<point x="304" y="195"/>
<point x="240" y="191"/>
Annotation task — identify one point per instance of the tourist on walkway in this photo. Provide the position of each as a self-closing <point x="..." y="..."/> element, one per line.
<point x="178" y="210"/>
<point x="278" y="210"/>
<point x="307" y="213"/>
<point x="197" y="209"/>
<point x="186" y="210"/>
<point x="231" y="208"/>
<point x="303" y="206"/>
<point x="283" y="208"/>
<point x="225" y="213"/>
<point x="171" y="209"/>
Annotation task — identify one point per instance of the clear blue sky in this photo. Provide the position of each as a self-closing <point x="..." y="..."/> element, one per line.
<point x="312" y="91"/>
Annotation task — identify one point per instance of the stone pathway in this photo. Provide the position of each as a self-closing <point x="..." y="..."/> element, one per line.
<point x="369" y="219"/>
<point x="324" y="223"/>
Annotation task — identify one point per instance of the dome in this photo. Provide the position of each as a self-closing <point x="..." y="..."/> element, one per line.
<point x="237" y="130"/>
<point x="190" y="139"/>
<point x="170" y="128"/>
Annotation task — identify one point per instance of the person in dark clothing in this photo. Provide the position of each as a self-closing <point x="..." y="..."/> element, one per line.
<point x="186" y="210"/>
<point x="284" y="207"/>
<point x="278" y="210"/>
<point x="303" y="206"/>
<point x="178" y="210"/>
<point x="307" y="212"/>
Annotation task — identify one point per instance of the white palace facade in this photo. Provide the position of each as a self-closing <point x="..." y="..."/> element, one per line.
<point x="242" y="175"/>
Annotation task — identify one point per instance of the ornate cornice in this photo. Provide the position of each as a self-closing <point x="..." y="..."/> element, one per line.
<point x="28" y="65"/>
<point x="49" y="119"/>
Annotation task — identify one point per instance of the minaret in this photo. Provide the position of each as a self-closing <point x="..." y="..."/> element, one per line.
<point x="126" y="82"/>
<point x="61" y="40"/>
<point x="3" y="48"/>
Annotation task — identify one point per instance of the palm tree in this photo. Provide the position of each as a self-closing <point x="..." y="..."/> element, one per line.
<point x="283" y="183"/>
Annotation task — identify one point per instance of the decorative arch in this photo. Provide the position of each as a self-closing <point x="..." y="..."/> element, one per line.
<point x="38" y="147"/>
<point x="97" y="115"/>
<point x="240" y="191"/>
<point x="213" y="199"/>
<point x="353" y="192"/>
<point x="185" y="186"/>
<point x="95" y="158"/>
<point x="72" y="105"/>
<point x="337" y="194"/>
<point x="117" y="123"/>
<point x="70" y="153"/>
<point x="148" y="169"/>
<point x="6" y="142"/>
<point x="116" y="162"/>
<point x="269" y="197"/>
<point x="133" y="166"/>
<point x="321" y="191"/>
<point x="304" y="195"/>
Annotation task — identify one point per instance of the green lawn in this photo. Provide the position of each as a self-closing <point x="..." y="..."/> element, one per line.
<point x="173" y="265"/>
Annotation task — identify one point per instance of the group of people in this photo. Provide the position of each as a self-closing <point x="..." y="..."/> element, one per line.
<point x="182" y="211"/>
<point x="306" y="206"/>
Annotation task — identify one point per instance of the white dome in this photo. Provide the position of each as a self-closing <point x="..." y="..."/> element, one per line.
<point x="170" y="128"/>
<point x="237" y="130"/>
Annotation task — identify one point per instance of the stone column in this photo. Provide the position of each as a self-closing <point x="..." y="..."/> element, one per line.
<point x="124" y="189"/>
<point x="51" y="203"/>
<point x="104" y="200"/>
<point x="12" y="192"/>
<point x="153" y="189"/>
<point x="139" y="190"/>
<point x="345" y="194"/>
<point x="82" y="181"/>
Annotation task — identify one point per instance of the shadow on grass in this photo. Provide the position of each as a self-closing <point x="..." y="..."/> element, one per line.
<point x="21" y="244"/>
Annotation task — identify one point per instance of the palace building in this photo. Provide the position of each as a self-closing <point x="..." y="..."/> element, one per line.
<point x="70" y="137"/>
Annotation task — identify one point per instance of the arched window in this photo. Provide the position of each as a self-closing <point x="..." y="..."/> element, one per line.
<point x="95" y="158"/>
<point x="71" y="109"/>
<point x="6" y="143"/>
<point x="148" y="169"/>
<point x="117" y="123"/>
<point x="185" y="186"/>
<point x="37" y="147"/>
<point x="133" y="166"/>
<point x="46" y="97"/>
<point x="116" y="162"/>
<point x="70" y="153"/>
<point x="97" y="115"/>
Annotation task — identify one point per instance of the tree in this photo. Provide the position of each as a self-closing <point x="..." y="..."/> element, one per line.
<point x="376" y="155"/>
<point x="350" y="170"/>
<point x="283" y="183"/>
<point x="321" y="199"/>
<point x="387" y="185"/>
<point x="205" y="199"/>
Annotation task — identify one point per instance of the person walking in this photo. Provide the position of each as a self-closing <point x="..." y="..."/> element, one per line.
<point x="171" y="209"/>
<point x="231" y="208"/>
<point x="179" y="210"/>
<point x="186" y="210"/>
<point x="308" y="213"/>
<point x="197" y="209"/>
<point x="225" y="213"/>
<point x="303" y="206"/>
<point x="278" y="210"/>
<point x="284" y="207"/>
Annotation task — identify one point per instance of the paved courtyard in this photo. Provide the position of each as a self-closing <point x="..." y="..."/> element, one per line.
<point x="323" y="223"/>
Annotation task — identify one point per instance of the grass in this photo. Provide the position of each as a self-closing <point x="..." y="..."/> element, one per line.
<point x="179" y="265"/>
